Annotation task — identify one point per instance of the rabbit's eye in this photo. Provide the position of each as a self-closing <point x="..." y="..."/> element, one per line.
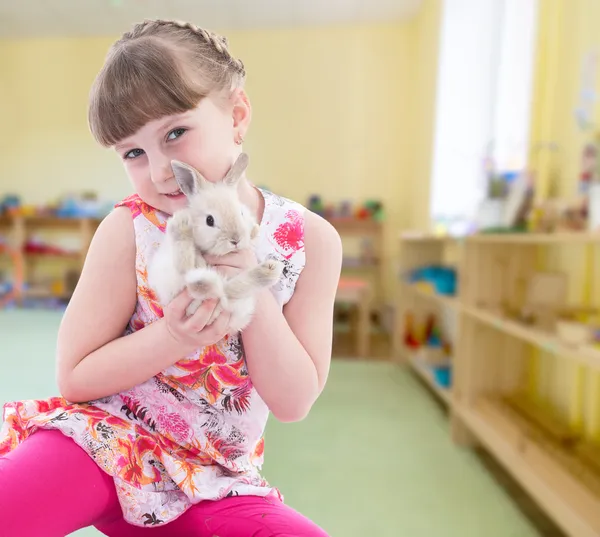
<point x="210" y="221"/>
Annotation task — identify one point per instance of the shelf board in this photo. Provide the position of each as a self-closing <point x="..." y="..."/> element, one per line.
<point x="445" y="300"/>
<point x="537" y="238"/>
<point x="427" y="238"/>
<point x="534" y="336"/>
<point x="356" y="226"/>
<point x="579" y="237"/>
<point x="44" y="294"/>
<point x="425" y="372"/>
<point x="53" y="222"/>
<point x="360" y="265"/>
<point x="53" y="257"/>
<point x="564" y="486"/>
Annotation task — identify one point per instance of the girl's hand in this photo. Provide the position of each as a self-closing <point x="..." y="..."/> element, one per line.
<point x="232" y="264"/>
<point x="192" y="333"/>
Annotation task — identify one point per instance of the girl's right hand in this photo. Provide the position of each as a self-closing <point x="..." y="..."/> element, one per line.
<point x="192" y="333"/>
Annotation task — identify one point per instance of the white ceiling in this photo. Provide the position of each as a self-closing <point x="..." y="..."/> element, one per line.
<point x="42" y="18"/>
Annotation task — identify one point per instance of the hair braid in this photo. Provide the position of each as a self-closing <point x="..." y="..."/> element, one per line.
<point x="159" y="68"/>
<point x="216" y="41"/>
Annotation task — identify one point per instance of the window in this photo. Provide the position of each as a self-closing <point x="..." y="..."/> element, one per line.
<point x="483" y="107"/>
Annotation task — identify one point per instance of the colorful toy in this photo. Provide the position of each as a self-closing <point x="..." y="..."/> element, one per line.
<point x="410" y="339"/>
<point x="10" y="205"/>
<point x="370" y="210"/>
<point x="442" y="279"/>
<point x="443" y="375"/>
<point x="315" y="204"/>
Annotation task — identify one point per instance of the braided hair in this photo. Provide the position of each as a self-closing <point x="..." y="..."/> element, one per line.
<point x="158" y="68"/>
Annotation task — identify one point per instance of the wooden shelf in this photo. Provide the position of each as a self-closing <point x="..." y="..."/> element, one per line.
<point x="424" y="371"/>
<point x="537" y="238"/>
<point x="563" y="237"/>
<point x="71" y="256"/>
<point x="427" y="238"/>
<point x="50" y="222"/>
<point x="564" y="486"/>
<point x="558" y="466"/>
<point x="444" y="300"/>
<point x="353" y="264"/>
<point x="18" y="230"/>
<point x="356" y="226"/>
<point x="540" y="339"/>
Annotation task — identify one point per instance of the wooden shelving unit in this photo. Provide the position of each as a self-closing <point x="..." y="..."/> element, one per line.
<point x="18" y="229"/>
<point x="356" y="284"/>
<point x="426" y="373"/>
<point x="559" y="468"/>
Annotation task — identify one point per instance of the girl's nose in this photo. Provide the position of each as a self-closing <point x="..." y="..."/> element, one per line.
<point x="160" y="169"/>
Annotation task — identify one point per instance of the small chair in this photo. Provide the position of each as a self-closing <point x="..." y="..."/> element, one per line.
<point x="358" y="292"/>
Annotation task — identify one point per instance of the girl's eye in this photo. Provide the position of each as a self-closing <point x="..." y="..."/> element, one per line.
<point x="134" y="153"/>
<point x="210" y="221"/>
<point x="176" y="133"/>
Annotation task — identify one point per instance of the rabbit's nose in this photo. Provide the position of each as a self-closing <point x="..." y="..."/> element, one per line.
<point x="234" y="242"/>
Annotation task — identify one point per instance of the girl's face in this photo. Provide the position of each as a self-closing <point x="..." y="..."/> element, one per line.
<point x="204" y="138"/>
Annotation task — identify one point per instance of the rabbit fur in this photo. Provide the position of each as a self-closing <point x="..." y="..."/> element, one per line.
<point x="216" y="223"/>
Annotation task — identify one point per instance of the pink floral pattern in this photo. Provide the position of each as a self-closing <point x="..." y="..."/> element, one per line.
<point x="193" y="432"/>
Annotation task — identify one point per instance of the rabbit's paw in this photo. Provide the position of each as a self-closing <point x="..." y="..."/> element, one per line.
<point x="181" y="226"/>
<point x="204" y="283"/>
<point x="269" y="271"/>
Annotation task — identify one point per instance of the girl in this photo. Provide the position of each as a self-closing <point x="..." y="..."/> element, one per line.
<point x="161" y="420"/>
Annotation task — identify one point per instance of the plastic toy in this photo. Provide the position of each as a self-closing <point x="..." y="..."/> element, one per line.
<point x="442" y="279"/>
<point x="443" y="375"/>
<point x="410" y="338"/>
<point x="370" y="210"/>
<point x="315" y="204"/>
<point x="10" y="205"/>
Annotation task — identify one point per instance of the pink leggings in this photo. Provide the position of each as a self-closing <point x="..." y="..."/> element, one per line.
<point x="49" y="486"/>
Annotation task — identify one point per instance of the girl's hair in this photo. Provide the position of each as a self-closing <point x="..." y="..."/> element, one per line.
<point x="159" y="68"/>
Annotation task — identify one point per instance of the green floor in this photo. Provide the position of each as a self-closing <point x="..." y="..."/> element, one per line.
<point x="374" y="458"/>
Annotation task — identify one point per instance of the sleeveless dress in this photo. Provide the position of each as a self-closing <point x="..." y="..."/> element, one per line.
<point x="195" y="431"/>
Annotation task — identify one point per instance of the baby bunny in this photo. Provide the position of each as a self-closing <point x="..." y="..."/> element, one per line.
<point x="214" y="223"/>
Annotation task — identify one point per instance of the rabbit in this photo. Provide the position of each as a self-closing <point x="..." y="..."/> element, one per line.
<point x="215" y="222"/>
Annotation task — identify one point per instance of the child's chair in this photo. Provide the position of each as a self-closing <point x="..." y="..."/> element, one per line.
<point x="358" y="292"/>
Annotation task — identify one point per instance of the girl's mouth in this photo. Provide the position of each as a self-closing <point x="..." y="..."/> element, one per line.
<point x="176" y="195"/>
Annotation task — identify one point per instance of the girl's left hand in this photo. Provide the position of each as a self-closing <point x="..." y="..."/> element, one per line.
<point x="232" y="264"/>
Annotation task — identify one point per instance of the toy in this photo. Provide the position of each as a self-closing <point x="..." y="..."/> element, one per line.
<point x="315" y="204"/>
<point x="441" y="279"/>
<point x="443" y="375"/>
<point x="10" y="205"/>
<point x="410" y="339"/>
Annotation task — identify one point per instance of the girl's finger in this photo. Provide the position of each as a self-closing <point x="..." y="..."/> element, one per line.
<point x="221" y="325"/>
<point x="201" y="316"/>
<point x="179" y="304"/>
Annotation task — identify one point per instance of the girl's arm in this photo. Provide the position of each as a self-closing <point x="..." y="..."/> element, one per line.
<point x="94" y="358"/>
<point x="289" y="354"/>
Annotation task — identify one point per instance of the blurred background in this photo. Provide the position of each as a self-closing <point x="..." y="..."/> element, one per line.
<point x="454" y="145"/>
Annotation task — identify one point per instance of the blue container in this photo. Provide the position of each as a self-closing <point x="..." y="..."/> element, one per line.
<point x="445" y="283"/>
<point x="443" y="375"/>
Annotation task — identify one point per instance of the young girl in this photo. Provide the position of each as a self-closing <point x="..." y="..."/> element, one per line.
<point x="159" y="429"/>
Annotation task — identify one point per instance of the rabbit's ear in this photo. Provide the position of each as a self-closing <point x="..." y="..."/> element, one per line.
<point x="237" y="170"/>
<point x="189" y="180"/>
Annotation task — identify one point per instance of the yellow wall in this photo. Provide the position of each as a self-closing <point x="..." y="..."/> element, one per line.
<point x="567" y="33"/>
<point x="425" y="37"/>
<point x="345" y="112"/>
<point x="330" y="112"/>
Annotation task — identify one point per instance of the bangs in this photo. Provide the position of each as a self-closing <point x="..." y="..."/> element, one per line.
<point x="141" y="81"/>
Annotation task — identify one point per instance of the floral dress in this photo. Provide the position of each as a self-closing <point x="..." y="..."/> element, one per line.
<point x="193" y="432"/>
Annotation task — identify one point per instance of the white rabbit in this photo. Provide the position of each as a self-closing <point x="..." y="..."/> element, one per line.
<point x="215" y="222"/>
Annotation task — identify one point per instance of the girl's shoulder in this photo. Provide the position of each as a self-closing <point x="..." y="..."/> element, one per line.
<point x="139" y="208"/>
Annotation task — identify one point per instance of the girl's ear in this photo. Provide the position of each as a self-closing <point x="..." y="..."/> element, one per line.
<point x="237" y="170"/>
<point x="189" y="180"/>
